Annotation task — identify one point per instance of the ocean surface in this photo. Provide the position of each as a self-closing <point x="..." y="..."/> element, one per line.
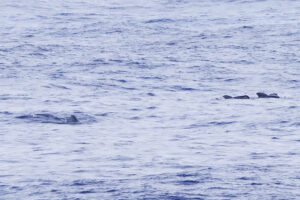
<point x="145" y="80"/>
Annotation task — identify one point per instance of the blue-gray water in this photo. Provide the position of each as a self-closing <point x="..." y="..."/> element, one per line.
<point x="146" y="80"/>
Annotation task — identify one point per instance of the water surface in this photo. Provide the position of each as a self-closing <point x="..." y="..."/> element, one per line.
<point x="146" y="79"/>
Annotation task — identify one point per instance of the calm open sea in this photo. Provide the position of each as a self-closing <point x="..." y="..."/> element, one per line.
<point x="145" y="80"/>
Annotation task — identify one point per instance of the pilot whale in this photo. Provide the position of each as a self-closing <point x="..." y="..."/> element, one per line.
<point x="237" y="97"/>
<point x="49" y="118"/>
<point x="263" y="95"/>
<point x="259" y="94"/>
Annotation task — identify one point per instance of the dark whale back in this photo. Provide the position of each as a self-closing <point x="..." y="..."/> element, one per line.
<point x="242" y="97"/>
<point x="237" y="97"/>
<point x="259" y="94"/>
<point x="72" y="119"/>
<point x="263" y="95"/>
<point x="227" y="97"/>
<point x="49" y="118"/>
<point x="273" y="95"/>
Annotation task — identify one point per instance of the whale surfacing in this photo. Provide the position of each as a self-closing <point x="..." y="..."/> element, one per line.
<point x="264" y="95"/>
<point x="259" y="94"/>
<point x="72" y="119"/>
<point x="237" y="97"/>
<point x="49" y="118"/>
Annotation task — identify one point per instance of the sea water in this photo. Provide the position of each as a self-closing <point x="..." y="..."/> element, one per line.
<point x="145" y="79"/>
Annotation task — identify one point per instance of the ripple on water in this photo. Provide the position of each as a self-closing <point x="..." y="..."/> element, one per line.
<point x="154" y="72"/>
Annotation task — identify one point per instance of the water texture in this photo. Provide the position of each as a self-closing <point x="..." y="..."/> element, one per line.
<point x="145" y="80"/>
